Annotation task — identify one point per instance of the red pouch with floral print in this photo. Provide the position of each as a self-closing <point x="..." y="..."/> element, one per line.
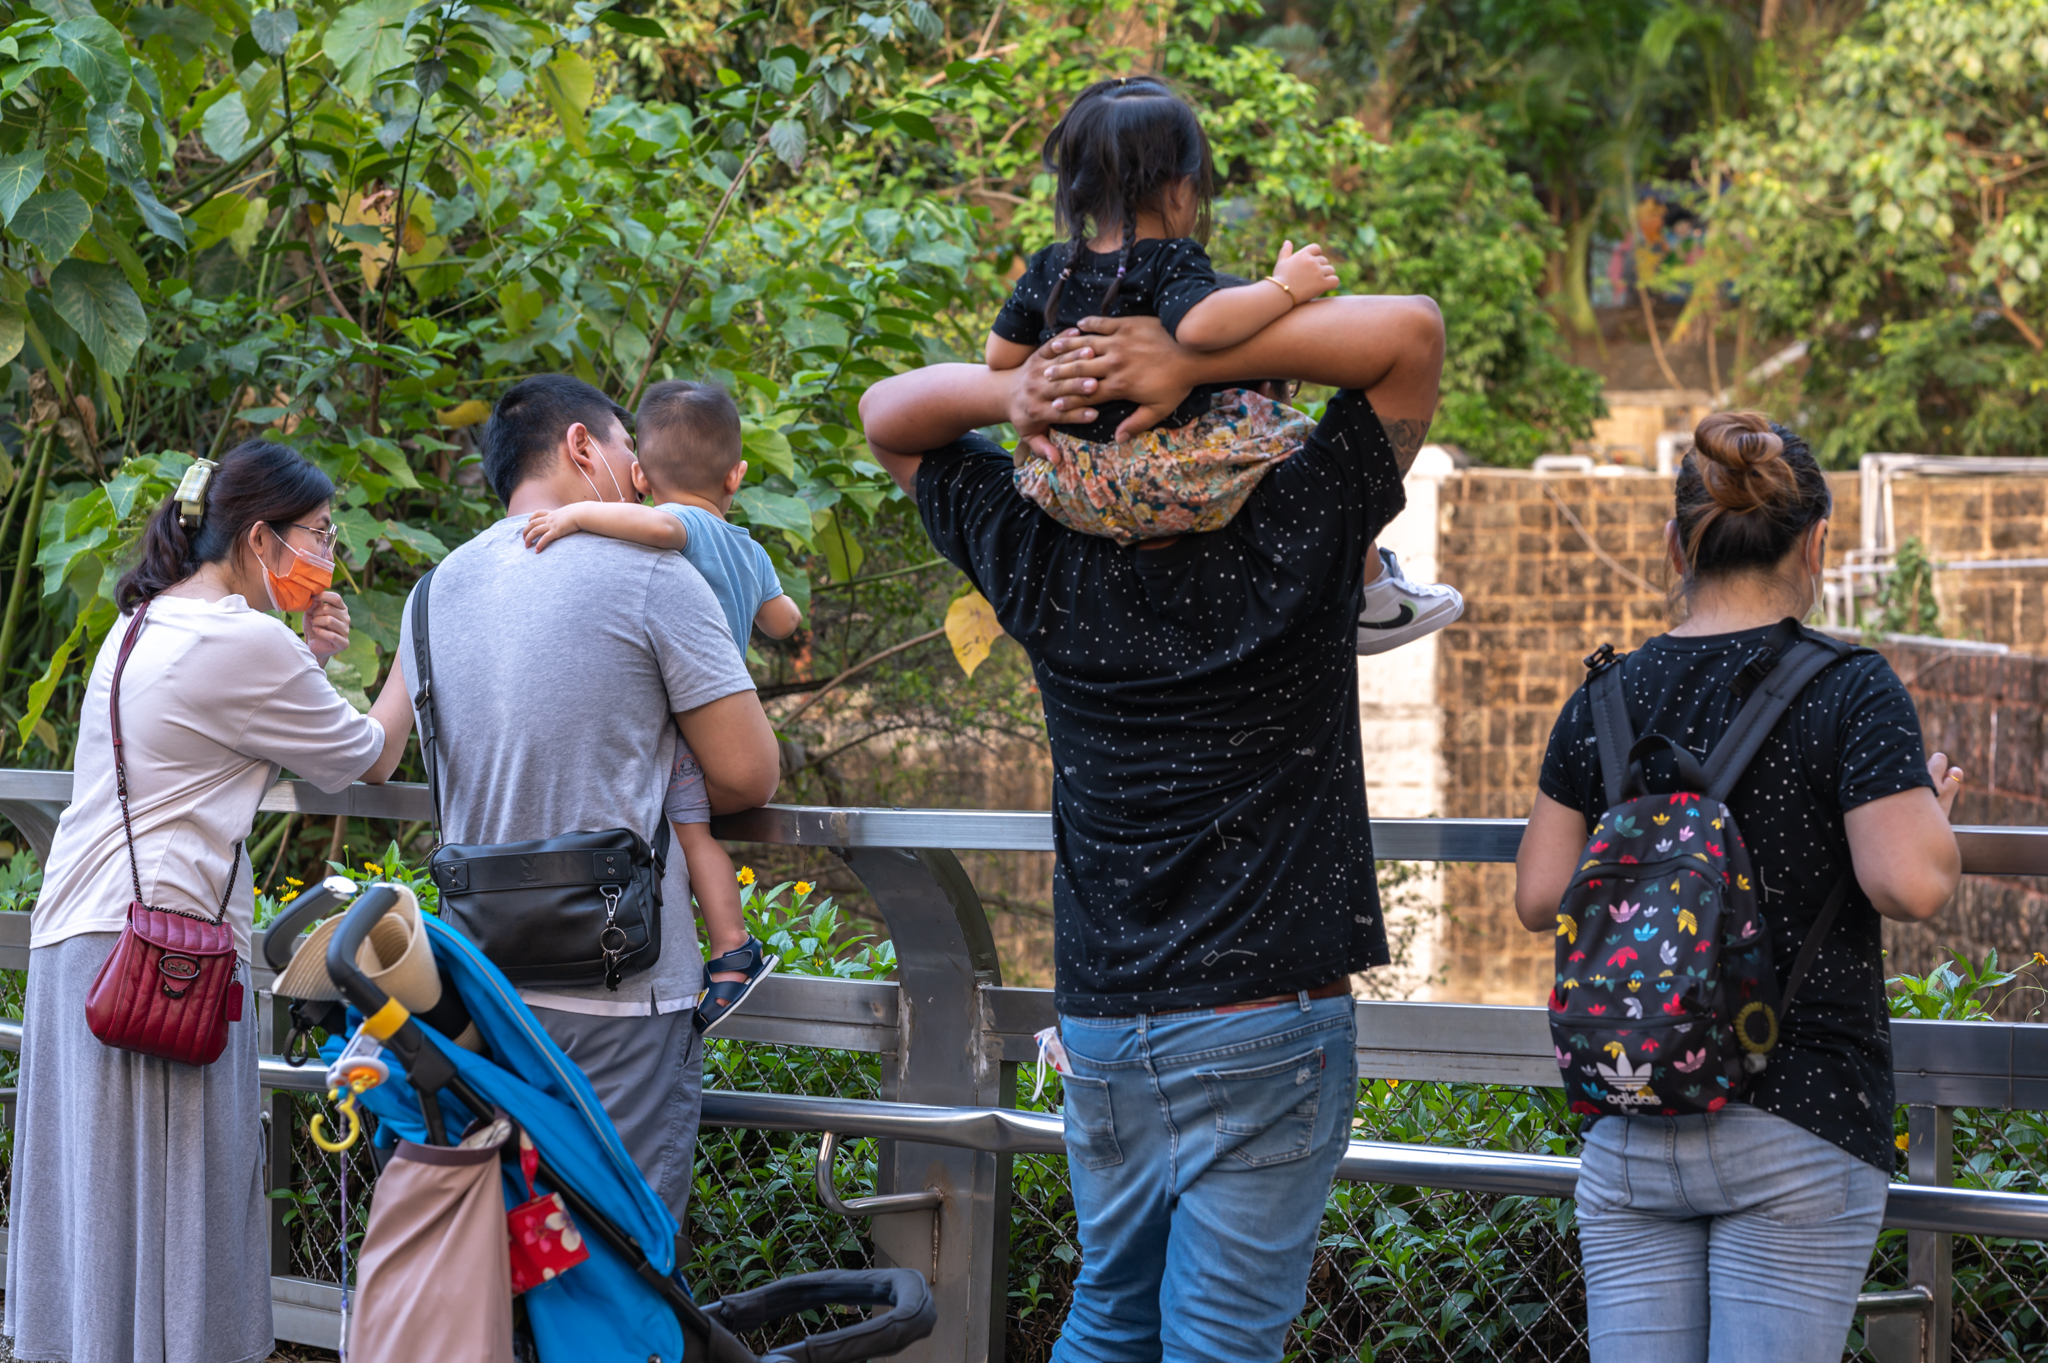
<point x="545" y="1241"/>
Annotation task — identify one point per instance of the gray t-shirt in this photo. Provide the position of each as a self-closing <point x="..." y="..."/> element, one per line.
<point x="555" y="678"/>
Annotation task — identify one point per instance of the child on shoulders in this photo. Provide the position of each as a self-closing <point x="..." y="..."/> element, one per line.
<point x="689" y="463"/>
<point x="1134" y="184"/>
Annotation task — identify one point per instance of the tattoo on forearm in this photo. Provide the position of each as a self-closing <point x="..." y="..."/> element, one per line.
<point x="1406" y="436"/>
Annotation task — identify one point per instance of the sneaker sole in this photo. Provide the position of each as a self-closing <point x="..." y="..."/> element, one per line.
<point x="768" y="964"/>
<point x="1386" y="636"/>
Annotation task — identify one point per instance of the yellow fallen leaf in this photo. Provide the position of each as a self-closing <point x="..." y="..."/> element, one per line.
<point x="464" y="413"/>
<point x="972" y="629"/>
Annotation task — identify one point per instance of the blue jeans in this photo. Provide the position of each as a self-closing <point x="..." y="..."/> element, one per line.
<point x="1730" y="1237"/>
<point x="1201" y="1148"/>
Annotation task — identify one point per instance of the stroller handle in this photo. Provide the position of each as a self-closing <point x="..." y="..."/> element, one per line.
<point x="910" y="1315"/>
<point x="309" y="908"/>
<point x="362" y="993"/>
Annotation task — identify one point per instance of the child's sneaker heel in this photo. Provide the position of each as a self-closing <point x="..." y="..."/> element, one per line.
<point x="1398" y="611"/>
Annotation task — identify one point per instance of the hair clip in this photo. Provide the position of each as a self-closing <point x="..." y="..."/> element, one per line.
<point x="191" y="493"/>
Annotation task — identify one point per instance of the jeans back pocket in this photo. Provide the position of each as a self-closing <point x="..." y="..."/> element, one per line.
<point x="1091" y="1123"/>
<point x="1267" y="1114"/>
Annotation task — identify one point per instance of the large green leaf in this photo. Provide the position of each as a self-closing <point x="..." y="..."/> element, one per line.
<point x="115" y="131"/>
<point x="273" y="29"/>
<point x="99" y="305"/>
<point x="52" y="222"/>
<point x="155" y="216"/>
<point x="366" y="40"/>
<point x="20" y="176"/>
<point x="775" y="511"/>
<point x="568" y="83"/>
<point x="92" y="51"/>
<point x="13" y="331"/>
<point x="225" y="129"/>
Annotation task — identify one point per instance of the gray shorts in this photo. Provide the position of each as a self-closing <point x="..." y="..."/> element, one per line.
<point x="649" y="1074"/>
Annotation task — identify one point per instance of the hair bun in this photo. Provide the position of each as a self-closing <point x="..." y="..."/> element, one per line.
<point x="1742" y="462"/>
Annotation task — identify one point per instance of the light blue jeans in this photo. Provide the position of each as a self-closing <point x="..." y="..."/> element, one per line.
<point x="1730" y="1237"/>
<point x="1201" y="1148"/>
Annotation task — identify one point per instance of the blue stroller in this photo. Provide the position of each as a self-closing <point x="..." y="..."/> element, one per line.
<point x="625" y="1301"/>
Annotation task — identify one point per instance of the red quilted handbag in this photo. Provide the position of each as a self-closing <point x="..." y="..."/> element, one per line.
<point x="169" y="988"/>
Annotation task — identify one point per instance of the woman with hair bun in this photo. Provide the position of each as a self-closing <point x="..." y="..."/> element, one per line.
<point x="1744" y="1233"/>
<point x="137" y="1228"/>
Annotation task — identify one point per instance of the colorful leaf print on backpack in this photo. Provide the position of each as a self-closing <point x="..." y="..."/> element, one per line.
<point x="1666" y="998"/>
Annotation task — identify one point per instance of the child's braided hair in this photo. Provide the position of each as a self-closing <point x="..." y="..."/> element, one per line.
<point x="1116" y="153"/>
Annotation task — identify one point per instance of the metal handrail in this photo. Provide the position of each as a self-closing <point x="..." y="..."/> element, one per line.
<point x="1987" y="849"/>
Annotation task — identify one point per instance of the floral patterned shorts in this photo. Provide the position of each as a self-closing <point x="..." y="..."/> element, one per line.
<point x="1164" y="482"/>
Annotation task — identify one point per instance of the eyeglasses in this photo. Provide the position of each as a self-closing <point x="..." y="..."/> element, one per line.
<point x="324" y="538"/>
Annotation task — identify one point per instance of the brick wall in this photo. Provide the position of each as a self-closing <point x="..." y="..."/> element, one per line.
<point x="1539" y="600"/>
<point x="1991" y="715"/>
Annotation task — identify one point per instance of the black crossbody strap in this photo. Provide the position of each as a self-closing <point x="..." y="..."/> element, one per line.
<point x="1790" y="659"/>
<point x="1810" y="948"/>
<point x="1615" y="736"/>
<point x="423" y="695"/>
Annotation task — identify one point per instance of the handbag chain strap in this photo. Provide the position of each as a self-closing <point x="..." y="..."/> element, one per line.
<point x="121" y="787"/>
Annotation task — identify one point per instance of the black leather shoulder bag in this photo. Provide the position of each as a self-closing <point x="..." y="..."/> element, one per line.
<point x="568" y="910"/>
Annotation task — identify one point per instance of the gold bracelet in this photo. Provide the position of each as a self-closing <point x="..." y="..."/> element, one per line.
<point x="1276" y="279"/>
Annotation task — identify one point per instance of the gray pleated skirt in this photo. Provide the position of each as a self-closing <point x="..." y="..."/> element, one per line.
<point x="137" y="1230"/>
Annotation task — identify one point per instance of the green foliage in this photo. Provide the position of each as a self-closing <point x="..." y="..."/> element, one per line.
<point x="1438" y="212"/>
<point x="1952" y="992"/>
<point x="1889" y="206"/>
<point x="1906" y="602"/>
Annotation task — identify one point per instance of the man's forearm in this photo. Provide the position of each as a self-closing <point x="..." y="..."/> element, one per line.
<point x="926" y="408"/>
<point x="1349" y="342"/>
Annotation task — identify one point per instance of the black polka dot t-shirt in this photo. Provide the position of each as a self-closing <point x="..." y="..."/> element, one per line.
<point x="1853" y="736"/>
<point x="1164" y="277"/>
<point x="1201" y="702"/>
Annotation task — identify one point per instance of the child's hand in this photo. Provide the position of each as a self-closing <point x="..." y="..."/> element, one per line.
<point x="545" y="527"/>
<point x="1308" y="272"/>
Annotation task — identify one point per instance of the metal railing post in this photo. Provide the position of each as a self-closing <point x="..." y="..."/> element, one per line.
<point x="1930" y="1258"/>
<point x="944" y="954"/>
<point x="35" y="820"/>
<point x="278" y="1167"/>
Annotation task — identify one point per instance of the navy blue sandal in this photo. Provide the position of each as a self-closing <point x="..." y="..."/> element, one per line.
<point x="722" y="998"/>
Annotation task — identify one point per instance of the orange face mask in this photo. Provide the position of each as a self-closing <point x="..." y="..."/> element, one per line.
<point x="301" y="586"/>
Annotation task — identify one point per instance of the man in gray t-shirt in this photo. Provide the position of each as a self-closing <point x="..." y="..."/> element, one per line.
<point x="560" y="681"/>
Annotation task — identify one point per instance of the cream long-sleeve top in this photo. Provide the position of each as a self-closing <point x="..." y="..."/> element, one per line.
<point x="215" y="700"/>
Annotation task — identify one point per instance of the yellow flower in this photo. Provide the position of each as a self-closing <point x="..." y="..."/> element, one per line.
<point x="1900" y="1142"/>
<point x="2039" y="959"/>
<point x="373" y="868"/>
<point x="746" y="876"/>
<point x="288" y="897"/>
<point x="803" y="887"/>
<point x="293" y="881"/>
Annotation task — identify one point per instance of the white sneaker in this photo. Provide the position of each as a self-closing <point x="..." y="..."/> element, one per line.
<point x="1398" y="611"/>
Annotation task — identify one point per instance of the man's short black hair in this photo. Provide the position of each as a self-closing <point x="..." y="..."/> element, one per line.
<point x="527" y="425"/>
<point x="689" y="436"/>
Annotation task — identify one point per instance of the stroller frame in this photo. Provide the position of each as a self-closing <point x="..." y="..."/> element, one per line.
<point x="708" y="1331"/>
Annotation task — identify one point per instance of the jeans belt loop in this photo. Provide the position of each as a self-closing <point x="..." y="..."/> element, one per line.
<point x="1303" y="996"/>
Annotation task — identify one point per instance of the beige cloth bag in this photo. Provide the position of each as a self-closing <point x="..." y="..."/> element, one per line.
<point x="435" y="1277"/>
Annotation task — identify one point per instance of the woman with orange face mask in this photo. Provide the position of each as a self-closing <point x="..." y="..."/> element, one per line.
<point x="138" y="1215"/>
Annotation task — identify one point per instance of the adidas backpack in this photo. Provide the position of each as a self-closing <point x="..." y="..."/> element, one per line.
<point x="1666" y="999"/>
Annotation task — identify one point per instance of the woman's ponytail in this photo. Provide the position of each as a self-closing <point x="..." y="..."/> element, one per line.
<point x="166" y="559"/>
<point x="257" y="480"/>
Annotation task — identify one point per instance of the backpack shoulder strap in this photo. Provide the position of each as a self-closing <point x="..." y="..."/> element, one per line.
<point x="423" y="694"/>
<point x="1773" y="679"/>
<point x="1614" y="735"/>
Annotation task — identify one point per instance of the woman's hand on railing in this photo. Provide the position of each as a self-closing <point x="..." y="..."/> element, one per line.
<point x="1948" y="782"/>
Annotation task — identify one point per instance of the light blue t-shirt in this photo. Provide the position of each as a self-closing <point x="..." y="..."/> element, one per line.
<point x="741" y="574"/>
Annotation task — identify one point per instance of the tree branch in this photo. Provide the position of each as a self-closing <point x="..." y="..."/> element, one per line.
<point x="689" y="271"/>
<point x="859" y="667"/>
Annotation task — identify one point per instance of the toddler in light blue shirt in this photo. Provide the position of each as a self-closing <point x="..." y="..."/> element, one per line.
<point x="689" y="463"/>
